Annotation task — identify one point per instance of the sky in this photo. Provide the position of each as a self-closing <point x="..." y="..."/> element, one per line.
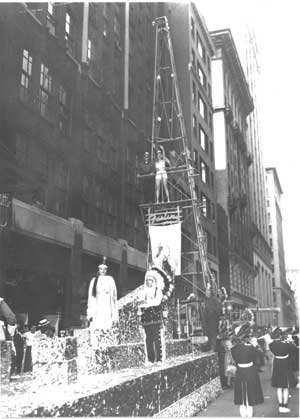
<point x="276" y="27"/>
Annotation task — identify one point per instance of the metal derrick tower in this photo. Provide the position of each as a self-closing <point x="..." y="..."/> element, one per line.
<point x="168" y="130"/>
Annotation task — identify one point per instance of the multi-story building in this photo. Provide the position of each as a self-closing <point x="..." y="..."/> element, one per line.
<point x="257" y="191"/>
<point x="282" y="293"/>
<point x="76" y="100"/>
<point x="193" y="51"/>
<point x="293" y="279"/>
<point x="232" y="104"/>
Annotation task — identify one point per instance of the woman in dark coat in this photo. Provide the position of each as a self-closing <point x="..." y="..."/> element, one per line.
<point x="295" y="356"/>
<point x="247" y="387"/>
<point x="282" y="377"/>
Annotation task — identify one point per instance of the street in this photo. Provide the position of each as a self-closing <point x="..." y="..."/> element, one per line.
<point x="224" y="407"/>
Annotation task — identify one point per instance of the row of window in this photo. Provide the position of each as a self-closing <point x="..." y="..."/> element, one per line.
<point x="202" y="138"/>
<point x="201" y="75"/>
<point x="207" y="207"/>
<point x="199" y="45"/>
<point x="203" y="169"/>
<point x="202" y="108"/>
<point x="242" y="283"/>
<point x="46" y="92"/>
<point x="70" y="28"/>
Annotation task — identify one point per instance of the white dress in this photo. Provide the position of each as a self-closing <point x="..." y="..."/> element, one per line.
<point x="102" y="308"/>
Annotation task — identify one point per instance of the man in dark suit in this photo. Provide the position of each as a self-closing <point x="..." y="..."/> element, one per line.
<point x="213" y="312"/>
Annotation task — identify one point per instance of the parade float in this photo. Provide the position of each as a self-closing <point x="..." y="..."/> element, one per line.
<point x="150" y="360"/>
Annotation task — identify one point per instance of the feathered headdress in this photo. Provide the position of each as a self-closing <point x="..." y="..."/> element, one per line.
<point x="163" y="280"/>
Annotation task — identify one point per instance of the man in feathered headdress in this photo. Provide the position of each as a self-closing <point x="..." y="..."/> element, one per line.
<point x="102" y="300"/>
<point x="158" y="288"/>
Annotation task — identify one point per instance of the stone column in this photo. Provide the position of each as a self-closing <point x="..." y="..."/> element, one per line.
<point x="123" y="272"/>
<point x="72" y="300"/>
<point x="5" y="223"/>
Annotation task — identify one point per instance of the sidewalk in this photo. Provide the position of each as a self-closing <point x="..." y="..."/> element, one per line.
<point x="223" y="406"/>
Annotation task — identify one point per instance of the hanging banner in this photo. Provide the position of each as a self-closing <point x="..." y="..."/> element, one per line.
<point x="166" y="241"/>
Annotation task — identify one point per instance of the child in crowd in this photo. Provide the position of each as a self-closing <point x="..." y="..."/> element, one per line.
<point x="229" y="364"/>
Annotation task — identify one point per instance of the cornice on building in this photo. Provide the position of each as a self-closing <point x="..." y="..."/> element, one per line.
<point x="204" y="28"/>
<point x="274" y="171"/>
<point x="223" y="39"/>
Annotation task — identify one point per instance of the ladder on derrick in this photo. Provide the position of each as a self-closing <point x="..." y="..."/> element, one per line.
<point x="168" y="130"/>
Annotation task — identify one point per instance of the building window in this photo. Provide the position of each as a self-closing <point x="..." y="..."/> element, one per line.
<point x="204" y="172"/>
<point x="271" y="243"/>
<point x="193" y="58"/>
<point x="212" y="180"/>
<point x="201" y="75"/>
<point x="203" y="139"/>
<point x="105" y="10"/>
<point x="209" y="91"/>
<point x="192" y="28"/>
<point x="45" y="90"/>
<point x="213" y="212"/>
<point x="68" y="34"/>
<point x="50" y="8"/>
<point x="195" y="125"/>
<point x="205" y="206"/>
<point x="117" y="31"/>
<point x="195" y="158"/>
<point x="199" y="45"/>
<point x="210" y="120"/>
<point x="105" y="30"/>
<point x="212" y="151"/>
<point x="90" y="50"/>
<point x="208" y="64"/>
<point x="25" y="75"/>
<point x="64" y="110"/>
<point x="194" y="93"/>
<point x="68" y="25"/>
<point x="50" y="18"/>
<point x="202" y="107"/>
<point x="270" y="229"/>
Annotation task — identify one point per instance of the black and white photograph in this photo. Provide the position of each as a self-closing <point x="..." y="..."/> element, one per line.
<point x="149" y="227"/>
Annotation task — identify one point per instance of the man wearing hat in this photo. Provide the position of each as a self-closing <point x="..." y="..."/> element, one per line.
<point x="146" y="167"/>
<point x="102" y="300"/>
<point x="213" y="312"/>
<point x="43" y="327"/>
<point x="158" y="288"/>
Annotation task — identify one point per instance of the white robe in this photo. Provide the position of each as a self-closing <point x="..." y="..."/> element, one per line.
<point x="102" y="308"/>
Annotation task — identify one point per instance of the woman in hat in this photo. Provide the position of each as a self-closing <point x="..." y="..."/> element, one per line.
<point x="247" y="387"/>
<point x="102" y="309"/>
<point x="282" y="377"/>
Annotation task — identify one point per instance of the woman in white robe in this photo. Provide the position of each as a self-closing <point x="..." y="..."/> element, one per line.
<point x="102" y="309"/>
